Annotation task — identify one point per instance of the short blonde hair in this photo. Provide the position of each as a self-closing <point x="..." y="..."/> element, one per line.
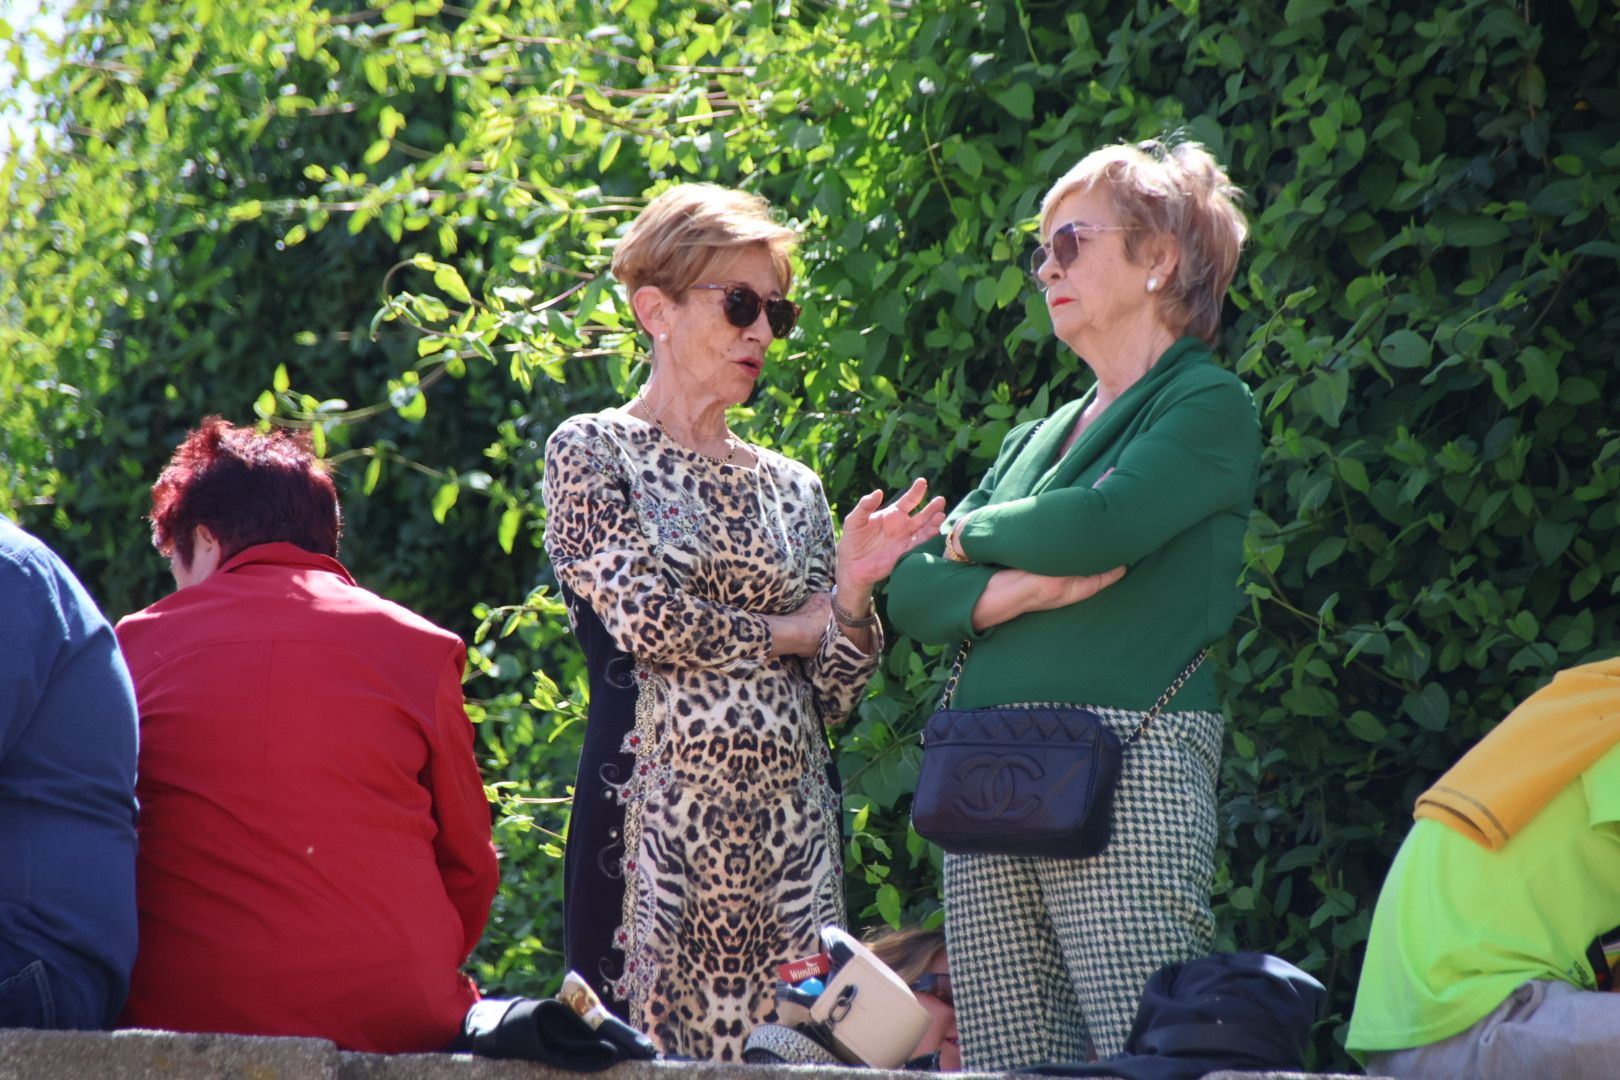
<point x="682" y="233"/>
<point x="1176" y="190"/>
<point x="906" y="952"/>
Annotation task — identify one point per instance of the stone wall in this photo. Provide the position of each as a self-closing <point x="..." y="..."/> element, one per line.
<point x="163" y="1055"/>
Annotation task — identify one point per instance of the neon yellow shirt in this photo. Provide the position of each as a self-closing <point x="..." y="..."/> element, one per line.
<point x="1458" y="928"/>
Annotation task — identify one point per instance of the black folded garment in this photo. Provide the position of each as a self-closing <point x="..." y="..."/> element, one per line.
<point x="1241" y="1011"/>
<point x="543" y="1030"/>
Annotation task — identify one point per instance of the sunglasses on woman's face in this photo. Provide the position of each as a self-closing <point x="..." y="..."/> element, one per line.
<point x="937" y="983"/>
<point x="742" y="306"/>
<point x="1065" y="246"/>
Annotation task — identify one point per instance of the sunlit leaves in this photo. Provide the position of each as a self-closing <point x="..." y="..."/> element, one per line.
<point x="272" y="210"/>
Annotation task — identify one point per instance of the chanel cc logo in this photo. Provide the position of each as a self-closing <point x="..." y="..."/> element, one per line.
<point x="990" y="787"/>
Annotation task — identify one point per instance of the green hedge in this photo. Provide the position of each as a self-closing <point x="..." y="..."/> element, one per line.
<point x="1427" y="315"/>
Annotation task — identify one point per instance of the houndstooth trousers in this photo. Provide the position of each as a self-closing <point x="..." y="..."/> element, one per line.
<point x="1049" y="956"/>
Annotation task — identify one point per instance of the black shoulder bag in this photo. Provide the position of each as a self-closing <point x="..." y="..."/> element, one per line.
<point x="1022" y="779"/>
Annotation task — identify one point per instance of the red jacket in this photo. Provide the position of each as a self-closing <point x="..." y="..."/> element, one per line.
<point x="315" y="852"/>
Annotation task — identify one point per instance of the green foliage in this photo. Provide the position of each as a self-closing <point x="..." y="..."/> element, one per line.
<point x="281" y="210"/>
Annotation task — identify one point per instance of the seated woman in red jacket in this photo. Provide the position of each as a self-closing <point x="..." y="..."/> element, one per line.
<point x="315" y="852"/>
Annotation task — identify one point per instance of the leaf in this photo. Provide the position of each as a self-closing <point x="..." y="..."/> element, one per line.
<point x="1366" y="727"/>
<point x="1010" y="285"/>
<point x="376" y="72"/>
<point x="1557" y="198"/>
<point x="888" y="904"/>
<point x="1602" y="249"/>
<point x="1298" y="11"/>
<point x="968" y="160"/>
<point x="1552" y="539"/>
<point x="984" y="293"/>
<point x="506" y="535"/>
<point x="1584" y="581"/>
<point x="444" y="499"/>
<point x="1536" y="656"/>
<point x="1476" y="232"/>
<point x="1429" y="708"/>
<point x="1299" y="857"/>
<point x="1405" y="349"/>
<point x="304" y="40"/>
<point x="1533" y="87"/>
<point x="518" y="295"/>
<point x="1242" y="744"/>
<point x="1324" y="553"/>
<point x="1018" y="99"/>
<point x="1540" y="372"/>
<point x="1327" y="394"/>
<point x="448" y="278"/>
<point x="402" y="14"/>
<point x="1353" y="473"/>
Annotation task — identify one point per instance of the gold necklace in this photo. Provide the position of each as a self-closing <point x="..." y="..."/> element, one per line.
<point x="732" y="442"/>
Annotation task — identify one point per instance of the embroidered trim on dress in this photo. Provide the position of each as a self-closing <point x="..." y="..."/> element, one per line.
<point x="646" y="742"/>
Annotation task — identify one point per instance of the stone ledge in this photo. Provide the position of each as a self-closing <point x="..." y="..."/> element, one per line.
<point x="167" y="1055"/>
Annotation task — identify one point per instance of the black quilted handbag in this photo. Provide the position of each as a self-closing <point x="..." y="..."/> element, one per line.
<point x="1022" y="779"/>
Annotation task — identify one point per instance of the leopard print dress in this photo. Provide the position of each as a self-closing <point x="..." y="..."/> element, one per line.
<point x="705" y="845"/>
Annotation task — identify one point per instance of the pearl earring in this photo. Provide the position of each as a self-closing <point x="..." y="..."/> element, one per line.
<point x="1152" y="284"/>
<point x="664" y="336"/>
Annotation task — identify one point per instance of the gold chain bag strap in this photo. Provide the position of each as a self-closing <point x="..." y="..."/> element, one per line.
<point x="1024" y="779"/>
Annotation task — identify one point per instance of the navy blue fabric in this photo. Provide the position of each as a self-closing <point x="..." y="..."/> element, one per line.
<point x="593" y="884"/>
<point x="1238" y="1011"/>
<point x="67" y="797"/>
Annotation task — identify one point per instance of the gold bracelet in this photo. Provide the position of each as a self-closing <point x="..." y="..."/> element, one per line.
<point x="953" y="543"/>
<point x="846" y="619"/>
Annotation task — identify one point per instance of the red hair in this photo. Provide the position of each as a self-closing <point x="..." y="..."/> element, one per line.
<point x="246" y="488"/>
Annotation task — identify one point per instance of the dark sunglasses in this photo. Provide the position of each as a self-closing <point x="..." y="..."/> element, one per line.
<point x="1065" y="246"/>
<point x="742" y="306"/>
<point x="937" y="983"/>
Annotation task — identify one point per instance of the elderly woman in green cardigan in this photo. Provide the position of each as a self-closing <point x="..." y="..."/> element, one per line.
<point x="1094" y="563"/>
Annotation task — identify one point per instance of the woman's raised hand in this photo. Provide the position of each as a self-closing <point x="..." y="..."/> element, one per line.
<point x="874" y="539"/>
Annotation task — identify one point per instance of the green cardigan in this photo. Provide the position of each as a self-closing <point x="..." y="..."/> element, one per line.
<point x="1184" y="446"/>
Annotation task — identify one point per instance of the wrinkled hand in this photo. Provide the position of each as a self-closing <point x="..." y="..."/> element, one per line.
<point x="799" y="633"/>
<point x="1059" y="592"/>
<point x="874" y="539"/>
<point x="1011" y="593"/>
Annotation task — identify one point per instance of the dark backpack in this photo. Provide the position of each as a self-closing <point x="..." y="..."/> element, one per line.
<point x="1227" y="1011"/>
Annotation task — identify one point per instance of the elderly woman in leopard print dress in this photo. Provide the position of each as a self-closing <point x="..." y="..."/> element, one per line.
<point x="723" y="625"/>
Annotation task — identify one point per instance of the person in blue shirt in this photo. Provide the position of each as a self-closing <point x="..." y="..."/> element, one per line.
<point x="67" y="798"/>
